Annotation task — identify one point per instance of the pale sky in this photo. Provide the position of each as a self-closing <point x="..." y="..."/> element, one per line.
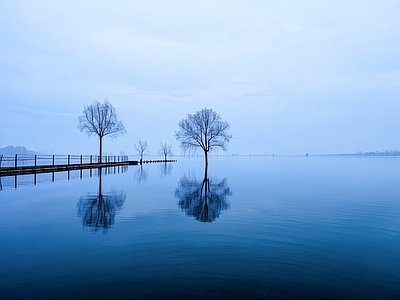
<point x="289" y="76"/>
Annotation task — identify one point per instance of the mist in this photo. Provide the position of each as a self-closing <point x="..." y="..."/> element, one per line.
<point x="290" y="77"/>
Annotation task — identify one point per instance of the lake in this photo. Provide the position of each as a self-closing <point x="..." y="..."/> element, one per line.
<point x="256" y="228"/>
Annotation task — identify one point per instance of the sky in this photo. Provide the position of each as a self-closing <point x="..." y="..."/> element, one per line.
<point x="291" y="77"/>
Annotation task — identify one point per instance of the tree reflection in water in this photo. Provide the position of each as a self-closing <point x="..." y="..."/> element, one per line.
<point x="98" y="211"/>
<point x="204" y="199"/>
<point x="140" y="174"/>
<point x="165" y="169"/>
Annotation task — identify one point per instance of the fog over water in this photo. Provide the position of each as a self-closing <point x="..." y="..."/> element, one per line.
<point x="291" y="77"/>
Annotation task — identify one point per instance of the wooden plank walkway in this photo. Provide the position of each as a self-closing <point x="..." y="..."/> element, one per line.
<point x="23" y="170"/>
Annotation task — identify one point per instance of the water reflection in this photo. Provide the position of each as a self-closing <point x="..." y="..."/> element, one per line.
<point x="165" y="169"/>
<point x="98" y="211"/>
<point x="203" y="199"/>
<point x="14" y="181"/>
<point x="140" y="174"/>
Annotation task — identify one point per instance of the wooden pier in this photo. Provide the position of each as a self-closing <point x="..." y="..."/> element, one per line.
<point x="30" y="164"/>
<point x="60" y="168"/>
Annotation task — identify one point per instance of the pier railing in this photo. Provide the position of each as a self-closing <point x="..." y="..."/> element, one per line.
<point x="29" y="160"/>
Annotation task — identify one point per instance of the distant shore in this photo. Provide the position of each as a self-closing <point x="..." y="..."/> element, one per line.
<point x="12" y="150"/>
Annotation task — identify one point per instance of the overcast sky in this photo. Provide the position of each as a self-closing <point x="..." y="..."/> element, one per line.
<point x="289" y="76"/>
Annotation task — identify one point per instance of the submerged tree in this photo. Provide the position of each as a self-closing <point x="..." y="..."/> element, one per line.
<point x="141" y="147"/>
<point x="204" y="129"/>
<point x="165" y="150"/>
<point x="101" y="119"/>
<point x="204" y="199"/>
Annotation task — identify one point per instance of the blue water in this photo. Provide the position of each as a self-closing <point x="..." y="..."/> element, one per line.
<point x="283" y="227"/>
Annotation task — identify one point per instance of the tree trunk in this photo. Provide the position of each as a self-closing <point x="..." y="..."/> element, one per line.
<point x="100" y="182"/>
<point x="206" y="164"/>
<point x="101" y="148"/>
<point x="205" y="205"/>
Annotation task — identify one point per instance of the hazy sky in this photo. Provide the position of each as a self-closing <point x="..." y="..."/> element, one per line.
<point x="289" y="76"/>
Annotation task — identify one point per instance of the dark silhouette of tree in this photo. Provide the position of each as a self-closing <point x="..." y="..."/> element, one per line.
<point x="204" y="199"/>
<point x="165" y="169"/>
<point x="204" y="130"/>
<point x="98" y="211"/>
<point x="142" y="148"/>
<point x="165" y="150"/>
<point x="101" y="119"/>
<point x="141" y="174"/>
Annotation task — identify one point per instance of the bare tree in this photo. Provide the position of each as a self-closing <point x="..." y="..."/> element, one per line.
<point x="141" y="147"/>
<point x="101" y="119"/>
<point x="165" y="150"/>
<point x="204" y="130"/>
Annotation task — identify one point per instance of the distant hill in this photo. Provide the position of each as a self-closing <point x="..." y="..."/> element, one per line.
<point x="11" y="150"/>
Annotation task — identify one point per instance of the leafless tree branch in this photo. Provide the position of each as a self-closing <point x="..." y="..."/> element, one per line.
<point x="141" y="147"/>
<point x="205" y="130"/>
<point x="165" y="150"/>
<point x="100" y="119"/>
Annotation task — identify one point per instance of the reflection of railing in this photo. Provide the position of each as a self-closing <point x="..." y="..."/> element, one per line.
<point x="28" y="160"/>
<point x="32" y="164"/>
<point x="33" y="179"/>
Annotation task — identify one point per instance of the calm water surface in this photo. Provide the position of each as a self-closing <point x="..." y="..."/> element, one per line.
<point x="258" y="227"/>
